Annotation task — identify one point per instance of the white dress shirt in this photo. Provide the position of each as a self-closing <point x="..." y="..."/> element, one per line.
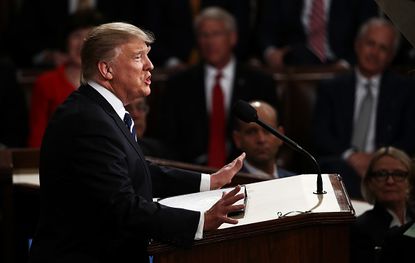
<point x="226" y="83"/>
<point x="361" y="91"/>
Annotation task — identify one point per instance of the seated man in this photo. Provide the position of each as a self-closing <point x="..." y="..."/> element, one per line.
<point x="260" y="146"/>
<point x="366" y="109"/>
<point x="199" y="127"/>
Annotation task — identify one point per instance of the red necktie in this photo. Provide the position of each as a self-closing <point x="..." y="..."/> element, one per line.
<point x="317" y="30"/>
<point x="217" y="147"/>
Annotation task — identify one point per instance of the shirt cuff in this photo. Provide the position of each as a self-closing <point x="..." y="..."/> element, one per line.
<point x="199" y="231"/>
<point x="204" y="182"/>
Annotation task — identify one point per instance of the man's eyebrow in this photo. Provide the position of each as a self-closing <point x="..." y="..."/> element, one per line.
<point x="145" y="50"/>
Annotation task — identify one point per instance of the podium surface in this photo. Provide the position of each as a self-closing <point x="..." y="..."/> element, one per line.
<point x="283" y="222"/>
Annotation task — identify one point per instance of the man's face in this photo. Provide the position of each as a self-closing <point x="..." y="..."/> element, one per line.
<point x="259" y="145"/>
<point x="75" y="42"/>
<point x="130" y="70"/>
<point x="215" y="42"/>
<point x="375" y="50"/>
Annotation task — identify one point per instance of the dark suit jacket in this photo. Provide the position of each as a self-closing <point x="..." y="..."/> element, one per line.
<point x="397" y="246"/>
<point x="282" y="26"/>
<point x="185" y="118"/>
<point x="97" y="189"/>
<point x="368" y="234"/>
<point x="333" y="116"/>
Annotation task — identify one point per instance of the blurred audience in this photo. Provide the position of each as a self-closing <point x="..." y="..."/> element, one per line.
<point x="38" y="26"/>
<point x="261" y="147"/>
<point x="386" y="184"/>
<point x="172" y="23"/>
<point x="312" y="32"/>
<point x="138" y="110"/>
<point x="13" y="109"/>
<point x="196" y="114"/>
<point x="361" y="111"/>
<point x="53" y="87"/>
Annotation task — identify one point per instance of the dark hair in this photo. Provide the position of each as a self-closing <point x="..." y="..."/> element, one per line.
<point x="80" y="20"/>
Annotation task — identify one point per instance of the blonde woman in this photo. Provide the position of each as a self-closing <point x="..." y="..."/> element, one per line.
<point x="387" y="184"/>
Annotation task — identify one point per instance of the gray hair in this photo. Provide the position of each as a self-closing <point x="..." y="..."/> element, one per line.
<point x="219" y="14"/>
<point x="376" y="21"/>
<point x="102" y="42"/>
<point x="395" y="154"/>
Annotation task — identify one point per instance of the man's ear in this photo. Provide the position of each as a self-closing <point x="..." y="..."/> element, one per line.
<point x="105" y="70"/>
<point x="281" y="130"/>
<point x="236" y="139"/>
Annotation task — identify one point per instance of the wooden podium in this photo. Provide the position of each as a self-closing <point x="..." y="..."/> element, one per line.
<point x="262" y="235"/>
<point x="283" y="222"/>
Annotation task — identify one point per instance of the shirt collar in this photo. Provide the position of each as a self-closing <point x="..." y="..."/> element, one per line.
<point x="261" y="174"/>
<point x="226" y="71"/>
<point x="362" y="80"/>
<point x="115" y="102"/>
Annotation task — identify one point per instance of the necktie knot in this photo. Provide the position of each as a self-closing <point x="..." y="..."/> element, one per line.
<point x="130" y="125"/>
<point x="218" y="76"/>
<point x="368" y="87"/>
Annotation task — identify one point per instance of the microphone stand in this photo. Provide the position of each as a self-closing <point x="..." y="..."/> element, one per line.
<point x="298" y="148"/>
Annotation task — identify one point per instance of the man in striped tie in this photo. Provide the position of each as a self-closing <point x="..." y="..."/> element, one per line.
<point x="361" y="111"/>
<point x="312" y="32"/>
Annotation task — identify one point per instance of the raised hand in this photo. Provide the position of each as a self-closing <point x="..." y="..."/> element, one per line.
<point x="226" y="173"/>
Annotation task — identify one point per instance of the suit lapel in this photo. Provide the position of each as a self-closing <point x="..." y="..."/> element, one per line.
<point x="95" y="96"/>
<point x="347" y="101"/>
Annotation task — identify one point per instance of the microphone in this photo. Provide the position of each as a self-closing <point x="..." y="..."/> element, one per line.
<point x="247" y="113"/>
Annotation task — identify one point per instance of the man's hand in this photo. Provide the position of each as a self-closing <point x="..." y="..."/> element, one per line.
<point x="360" y="162"/>
<point x="225" y="174"/>
<point x="218" y="213"/>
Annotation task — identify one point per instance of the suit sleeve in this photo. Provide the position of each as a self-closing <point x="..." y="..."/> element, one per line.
<point x="324" y="139"/>
<point x="99" y="171"/>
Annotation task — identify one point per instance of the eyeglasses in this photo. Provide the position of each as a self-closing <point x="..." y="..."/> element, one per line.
<point x="383" y="175"/>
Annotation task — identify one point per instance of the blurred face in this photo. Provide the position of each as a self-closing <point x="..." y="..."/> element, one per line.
<point x="130" y="71"/>
<point x="138" y="110"/>
<point x="375" y="50"/>
<point x="260" y="146"/>
<point x="75" y="42"/>
<point x="389" y="189"/>
<point x="215" y="42"/>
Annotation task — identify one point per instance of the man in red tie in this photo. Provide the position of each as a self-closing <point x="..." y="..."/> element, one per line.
<point x="198" y="101"/>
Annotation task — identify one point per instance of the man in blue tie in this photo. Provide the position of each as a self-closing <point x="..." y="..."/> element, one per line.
<point x="96" y="187"/>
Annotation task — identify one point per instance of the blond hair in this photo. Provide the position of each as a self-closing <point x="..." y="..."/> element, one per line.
<point x="395" y="154"/>
<point x="102" y="42"/>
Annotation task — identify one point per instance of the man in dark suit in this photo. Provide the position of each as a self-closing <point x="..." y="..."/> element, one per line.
<point x="288" y="33"/>
<point x="188" y="120"/>
<point x="96" y="186"/>
<point x="260" y="146"/>
<point x="361" y="111"/>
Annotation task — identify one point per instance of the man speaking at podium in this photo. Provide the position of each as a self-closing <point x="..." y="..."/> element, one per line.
<point x="96" y="187"/>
